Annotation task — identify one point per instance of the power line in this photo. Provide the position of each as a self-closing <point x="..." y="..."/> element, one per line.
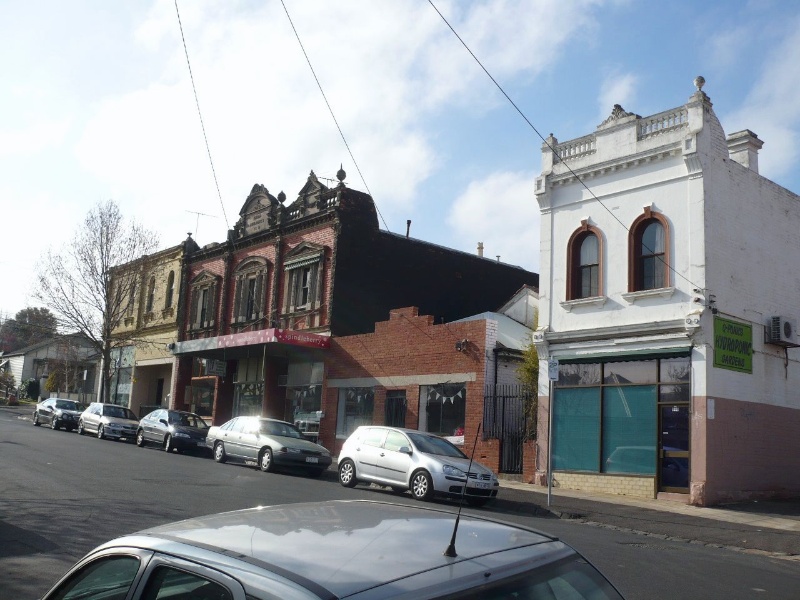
<point x="547" y="143"/>
<point x="341" y="133"/>
<point x="200" y="114"/>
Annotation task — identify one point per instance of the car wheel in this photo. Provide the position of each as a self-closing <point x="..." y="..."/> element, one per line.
<point x="100" y="434"/>
<point x="81" y="430"/>
<point x="421" y="485"/>
<point x="53" y="423"/>
<point x="265" y="460"/>
<point x="140" y="438"/>
<point x="347" y="473"/>
<point x="168" y="445"/>
<point x="219" y="452"/>
<point x="477" y="502"/>
<point x="36" y="419"/>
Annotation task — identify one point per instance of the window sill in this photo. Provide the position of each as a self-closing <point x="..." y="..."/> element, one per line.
<point x="594" y="301"/>
<point x="632" y="297"/>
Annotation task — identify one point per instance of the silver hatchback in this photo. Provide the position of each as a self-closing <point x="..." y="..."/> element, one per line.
<point x="407" y="459"/>
<point x="358" y="550"/>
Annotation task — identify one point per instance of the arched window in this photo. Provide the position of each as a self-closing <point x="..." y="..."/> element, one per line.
<point x="649" y="252"/>
<point x="151" y="294"/>
<point x="250" y="295"/>
<point x="170" y="289"/>
<point x="584" y="264"/>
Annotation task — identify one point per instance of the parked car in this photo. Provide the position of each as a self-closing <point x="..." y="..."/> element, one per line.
<point x="58" y="412"/>
<point x="356" y="549"/>
<point x="108" y="421"/>
<point x="172" y="430"/>
<point x="269" y="442"/>
<point x="407" y="459"/>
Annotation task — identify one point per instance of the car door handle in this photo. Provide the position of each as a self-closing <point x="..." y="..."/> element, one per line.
<point x="383" y="454"/>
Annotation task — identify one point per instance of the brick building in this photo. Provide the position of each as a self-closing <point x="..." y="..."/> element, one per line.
<point x="264" y="314"/>
<point x="669" y="302"/>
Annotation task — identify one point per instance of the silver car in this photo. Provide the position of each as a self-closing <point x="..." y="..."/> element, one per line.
<point x="407" y="459"/>
<point x="269" y="442"/>
<point x="358" y="550"/>
<point x="108" y="421"/>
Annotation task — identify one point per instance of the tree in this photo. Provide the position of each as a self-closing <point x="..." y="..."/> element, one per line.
<point x="81" y="285"/>
<point x="28" y="327"/>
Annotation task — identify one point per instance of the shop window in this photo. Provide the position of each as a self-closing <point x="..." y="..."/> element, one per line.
<point x="649" y="253"/>
<point x="395" y="408"/>
<point x="250" y="294"/>
<point x="442" y="408"/>
<point x="584" y="252"/>
<point x="356" y="407"/>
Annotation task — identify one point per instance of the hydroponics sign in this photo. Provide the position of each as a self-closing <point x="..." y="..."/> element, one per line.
<point x="733" y="345"/>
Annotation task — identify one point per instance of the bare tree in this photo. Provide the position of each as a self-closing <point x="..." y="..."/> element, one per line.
<point x="80" y="284"/>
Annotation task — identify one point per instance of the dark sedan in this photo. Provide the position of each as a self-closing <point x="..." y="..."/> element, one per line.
<point x="173" y="430"/>
<point x="268" y="442"/>
<point x="58" y="413"/>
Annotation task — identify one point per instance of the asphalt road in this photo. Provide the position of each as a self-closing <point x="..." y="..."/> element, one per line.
<point x="62" y="494"/>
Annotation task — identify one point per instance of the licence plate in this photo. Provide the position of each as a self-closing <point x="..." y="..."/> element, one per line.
<point x="201" y="444"/>
<point x="482" y="485"/>
<point x="312" y="459"/>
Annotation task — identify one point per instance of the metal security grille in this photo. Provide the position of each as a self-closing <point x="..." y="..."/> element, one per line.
<point x="509" y="416"/>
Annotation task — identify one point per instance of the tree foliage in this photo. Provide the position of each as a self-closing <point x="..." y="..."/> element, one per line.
<point x="528" y="375"/>
<point x="80" y="285"/>
<point x="28" y="327"/>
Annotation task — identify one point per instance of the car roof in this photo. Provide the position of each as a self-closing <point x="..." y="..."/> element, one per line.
<point x="348" y="546"/>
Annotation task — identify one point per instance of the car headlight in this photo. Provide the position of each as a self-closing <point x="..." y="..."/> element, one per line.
<point x="453" y="471"/>
<point x="181" y="434"/>
<point x="286" y="449"/>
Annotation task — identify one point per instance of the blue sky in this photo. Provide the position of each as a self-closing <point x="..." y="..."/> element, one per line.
<point x="96" y="103"/>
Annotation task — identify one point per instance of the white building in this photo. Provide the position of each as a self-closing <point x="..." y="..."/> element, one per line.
<point x="666" y="260"/>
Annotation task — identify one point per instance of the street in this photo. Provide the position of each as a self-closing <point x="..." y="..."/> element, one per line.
<point x="62" y="494"/>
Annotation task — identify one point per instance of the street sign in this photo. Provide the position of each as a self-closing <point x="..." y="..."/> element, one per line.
<point x="552" y="369"/>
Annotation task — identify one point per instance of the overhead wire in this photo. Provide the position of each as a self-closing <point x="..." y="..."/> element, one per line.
<point x="330" y="109"/>
<point x="200" y="114"/>
<point x="546" y="142"/>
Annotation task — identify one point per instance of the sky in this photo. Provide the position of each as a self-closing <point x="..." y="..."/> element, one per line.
<point x="96" y="103"/>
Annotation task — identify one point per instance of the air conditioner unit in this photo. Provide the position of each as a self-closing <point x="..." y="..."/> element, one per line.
<point x="781" y="332"/>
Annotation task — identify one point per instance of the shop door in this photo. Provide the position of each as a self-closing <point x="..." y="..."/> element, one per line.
<point x="673" y="448"/>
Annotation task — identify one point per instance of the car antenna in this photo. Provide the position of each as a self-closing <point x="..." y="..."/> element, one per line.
<point x="451" y="549"/>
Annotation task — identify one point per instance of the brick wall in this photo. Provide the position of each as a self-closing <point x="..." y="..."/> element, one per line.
<point x="638" y="487"/>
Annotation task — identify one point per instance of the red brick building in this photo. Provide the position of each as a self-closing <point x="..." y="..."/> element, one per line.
<point x="301" y="295"/>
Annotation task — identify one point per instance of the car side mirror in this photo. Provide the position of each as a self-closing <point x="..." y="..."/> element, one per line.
<point x="164" y="421"/>
<point x="405" y="450"/>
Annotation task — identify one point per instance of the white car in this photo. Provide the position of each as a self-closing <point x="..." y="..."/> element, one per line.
<point x="407" y="459"/>
<point x="108" y="420"/>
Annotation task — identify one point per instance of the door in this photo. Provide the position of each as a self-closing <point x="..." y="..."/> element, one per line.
<point x="46" y="411"/>
<point x="366" y="452"/>
<point x="393" y="466"/>
<point x="159" y="391"/>
<point x="673" y="448"/>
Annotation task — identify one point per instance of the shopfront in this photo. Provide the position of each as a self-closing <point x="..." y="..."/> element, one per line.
<point x="271" y="372"/>
<point x="625" y="418"/>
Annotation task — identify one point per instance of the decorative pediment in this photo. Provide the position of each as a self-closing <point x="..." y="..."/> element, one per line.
<point x="260" y="211"/>
<point x="203" y="277"/>
<point x="617" y="114"/>
<point x="303" y="254"/>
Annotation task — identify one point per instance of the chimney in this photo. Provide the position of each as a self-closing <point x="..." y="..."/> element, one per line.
<point x="408" y="227"/>
<point x="743" y="147"/>
<point x="480" y="249"/>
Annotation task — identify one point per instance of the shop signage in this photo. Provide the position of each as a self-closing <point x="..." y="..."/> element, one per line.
<point x="733" y="345"/>
<point x="216" y="367"/>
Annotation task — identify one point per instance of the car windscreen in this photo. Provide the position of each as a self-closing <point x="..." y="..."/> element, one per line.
<point x="68" y="405"/>
<point x="119" y="412"/>
<point x="187" y="420"/>
<point x="282" y="429"/>
<point x="568" y="579"/>
<point x="430" y="444"/>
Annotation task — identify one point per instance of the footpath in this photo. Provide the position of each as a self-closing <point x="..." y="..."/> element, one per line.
<point x="764" y="526"/>
<point x="767" y="527"/>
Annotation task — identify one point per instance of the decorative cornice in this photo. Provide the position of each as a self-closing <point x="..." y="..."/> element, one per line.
<point x="649" y="329"/>
<point x="617" y="164"/>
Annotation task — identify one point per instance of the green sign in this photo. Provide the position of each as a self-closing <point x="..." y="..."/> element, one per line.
<point x="733" y="345"/>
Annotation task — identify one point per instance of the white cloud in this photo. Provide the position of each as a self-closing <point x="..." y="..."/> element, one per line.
<point x="617" y="88"/>
<point x="501" y="211"/>
<point x="771" y="108"/>
<point x="33" y="139"/>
